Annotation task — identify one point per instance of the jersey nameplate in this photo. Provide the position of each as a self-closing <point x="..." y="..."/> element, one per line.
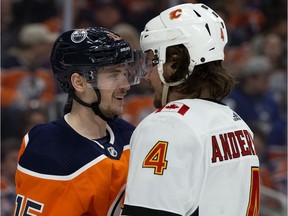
<point x="231" y="145"/>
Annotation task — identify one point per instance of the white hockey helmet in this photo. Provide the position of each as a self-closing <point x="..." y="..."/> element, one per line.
<point x="196" y="26"/>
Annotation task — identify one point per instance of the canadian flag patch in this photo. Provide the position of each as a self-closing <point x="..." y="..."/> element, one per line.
<point x="174" y="107"/>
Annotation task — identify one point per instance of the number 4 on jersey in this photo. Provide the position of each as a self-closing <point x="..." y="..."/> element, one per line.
<point x="254" y="202"/>
<point x="156" y="158"/>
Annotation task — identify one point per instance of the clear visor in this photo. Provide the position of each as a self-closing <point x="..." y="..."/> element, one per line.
<point x="124" y="74"/>
<point x="137" y="69"/>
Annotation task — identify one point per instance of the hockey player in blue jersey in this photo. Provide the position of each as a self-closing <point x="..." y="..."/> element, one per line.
<point x="78" y="165"/>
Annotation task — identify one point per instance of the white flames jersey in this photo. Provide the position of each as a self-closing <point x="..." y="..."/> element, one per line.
<point x="193" y="157"/>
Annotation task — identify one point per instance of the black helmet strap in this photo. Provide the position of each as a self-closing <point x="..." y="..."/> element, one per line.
<point x="94" y="106"/>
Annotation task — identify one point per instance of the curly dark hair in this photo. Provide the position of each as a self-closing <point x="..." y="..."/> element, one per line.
<point x="210" y="76"/>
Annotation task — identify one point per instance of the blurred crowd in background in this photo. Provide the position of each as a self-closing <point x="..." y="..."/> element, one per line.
<point x="256" y="55"/>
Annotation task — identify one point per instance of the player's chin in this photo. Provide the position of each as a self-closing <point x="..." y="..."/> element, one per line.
<point x="118" y="111"/>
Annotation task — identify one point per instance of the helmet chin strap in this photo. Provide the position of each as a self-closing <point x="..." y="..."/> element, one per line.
<point x="94" y="106"/>
<point x="165" y="92"/>
<point x="166" y="85"/>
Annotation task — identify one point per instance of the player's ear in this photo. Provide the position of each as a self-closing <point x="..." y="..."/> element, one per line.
<point x="171" y="67"/>
<point x="78" y="82"/>
<point x="175" y="63"/>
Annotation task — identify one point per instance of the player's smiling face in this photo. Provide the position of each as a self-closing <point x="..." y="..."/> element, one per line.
<point x="113" y="86"/>
<point x="152" y="77"/>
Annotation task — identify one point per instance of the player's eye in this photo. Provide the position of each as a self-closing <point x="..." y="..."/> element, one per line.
<point x="149" y="64"/>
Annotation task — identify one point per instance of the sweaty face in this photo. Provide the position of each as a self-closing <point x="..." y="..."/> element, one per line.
<point x="113" y="86"/>
<point x="152" y="77"/>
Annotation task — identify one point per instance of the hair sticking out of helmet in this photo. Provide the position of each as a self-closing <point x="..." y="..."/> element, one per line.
<point x="85" y="51"/>
<point x="201" y="30"/>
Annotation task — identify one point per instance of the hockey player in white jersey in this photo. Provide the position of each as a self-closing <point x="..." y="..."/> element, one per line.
<point x="194" y="155"/>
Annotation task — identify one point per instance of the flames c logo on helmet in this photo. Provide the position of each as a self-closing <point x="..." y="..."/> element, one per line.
<point x="175" y="14"/>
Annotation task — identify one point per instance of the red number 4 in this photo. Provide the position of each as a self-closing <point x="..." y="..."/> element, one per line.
<point x="254" y="201"/>
<point x="156" y="158"/>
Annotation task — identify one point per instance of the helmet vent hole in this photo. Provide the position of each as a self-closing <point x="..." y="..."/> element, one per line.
<point x="208" y="29"/>
<point x="216" y="15"/>
<point x="212" y="49"/>
<point x="222" y="25"/>
<point x="197" y="13"/>
<point x="204" y="6"/>
<point x="202" y="59"/>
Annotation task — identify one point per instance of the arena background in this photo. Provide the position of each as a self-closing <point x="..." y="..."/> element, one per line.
<point x="29" y="94"/>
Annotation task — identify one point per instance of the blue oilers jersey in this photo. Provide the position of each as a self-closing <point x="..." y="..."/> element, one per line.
<point x="61" y="172"/>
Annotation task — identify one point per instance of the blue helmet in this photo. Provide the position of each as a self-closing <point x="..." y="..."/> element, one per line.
<point x="86" y="50"/>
